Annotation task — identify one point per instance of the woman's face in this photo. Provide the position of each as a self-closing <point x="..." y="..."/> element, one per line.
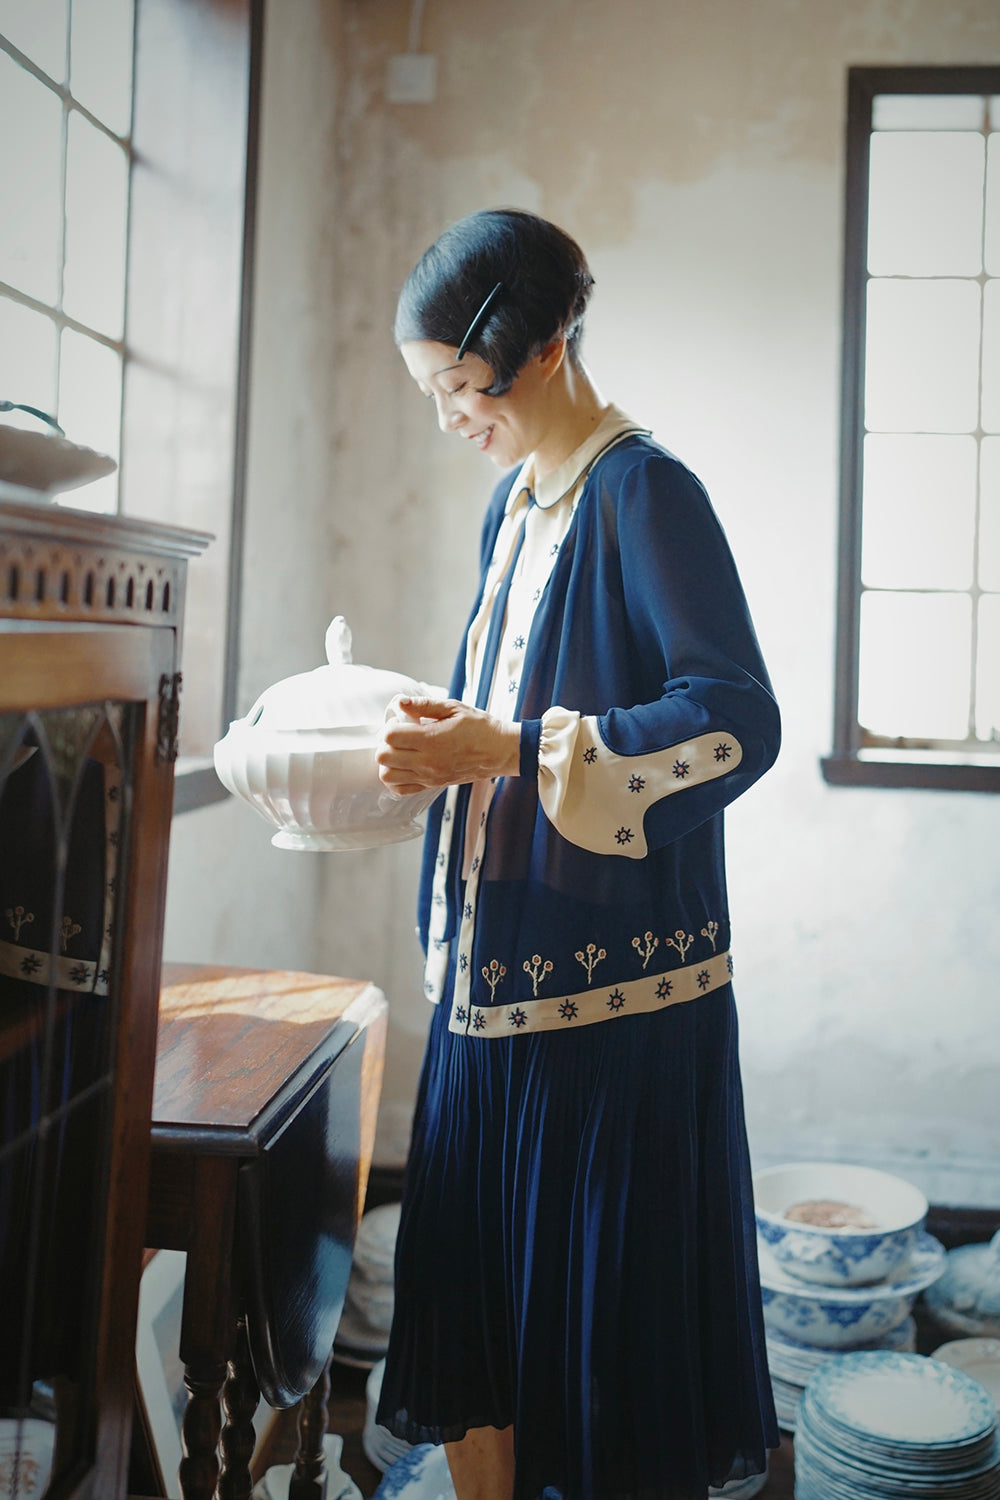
<point x="507" y="427"/>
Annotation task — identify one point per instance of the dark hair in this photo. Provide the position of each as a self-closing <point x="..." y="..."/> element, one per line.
<point x="544" y="285"/>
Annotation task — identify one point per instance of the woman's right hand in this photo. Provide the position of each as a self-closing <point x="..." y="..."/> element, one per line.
<point x="432" y="742"/>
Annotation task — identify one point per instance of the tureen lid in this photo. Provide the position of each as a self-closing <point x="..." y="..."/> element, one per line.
<point x="340" y="695"/>
<point x="969" y="1289"/>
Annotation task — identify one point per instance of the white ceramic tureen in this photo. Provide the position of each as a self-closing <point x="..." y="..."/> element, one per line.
<point x="304" y="756"/>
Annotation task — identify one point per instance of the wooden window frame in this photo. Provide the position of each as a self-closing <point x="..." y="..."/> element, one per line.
<point x="849" y="763"/>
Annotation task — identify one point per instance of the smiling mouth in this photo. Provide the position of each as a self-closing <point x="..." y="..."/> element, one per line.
<point x="482" y="438"/>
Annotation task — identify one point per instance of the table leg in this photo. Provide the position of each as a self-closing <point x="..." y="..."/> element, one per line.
<point x="240" y="1398"/>
<point x="200" y="1427"/>
<point x="308" y="1481"/>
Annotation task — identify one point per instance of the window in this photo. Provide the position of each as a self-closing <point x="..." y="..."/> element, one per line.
<point x="918" y="638"/>
<point x="127" y="183"/>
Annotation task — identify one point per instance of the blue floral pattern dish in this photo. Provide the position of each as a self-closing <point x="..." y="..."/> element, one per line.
<point x="886" y="1426"/>
<point x="835" y="1317"/>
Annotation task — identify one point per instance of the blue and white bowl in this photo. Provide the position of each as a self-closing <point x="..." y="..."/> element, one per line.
<point x="835" y="1317"/>
<point x="839" y="1257"/>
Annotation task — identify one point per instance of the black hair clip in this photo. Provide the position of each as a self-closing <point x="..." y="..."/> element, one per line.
<point x="479" y="319"/>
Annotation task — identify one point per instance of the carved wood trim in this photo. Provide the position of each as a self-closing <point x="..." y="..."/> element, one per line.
<point x="53" y="581"/>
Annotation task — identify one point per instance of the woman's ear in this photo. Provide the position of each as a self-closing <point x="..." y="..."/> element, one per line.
<point x="551" y="356"/>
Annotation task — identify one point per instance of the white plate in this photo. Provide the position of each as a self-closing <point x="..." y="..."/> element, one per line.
<point x="979" y="1358"/>
<point x="903" y="1401"/>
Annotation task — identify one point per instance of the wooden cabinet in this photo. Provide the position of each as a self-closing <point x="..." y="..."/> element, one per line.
<point x="90" y="619"/>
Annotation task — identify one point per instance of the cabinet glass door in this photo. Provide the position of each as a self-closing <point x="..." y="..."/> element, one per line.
<point x="65" y="801"/>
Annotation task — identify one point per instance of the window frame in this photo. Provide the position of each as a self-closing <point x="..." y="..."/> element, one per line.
<point x="849" y="764"/>
<point x="196" y="783"/>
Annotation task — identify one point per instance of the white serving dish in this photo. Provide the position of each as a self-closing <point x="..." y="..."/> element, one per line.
<point x="838" y="1257"/>
<point x="304" y="756"/>
<point x="829" y="1317"/>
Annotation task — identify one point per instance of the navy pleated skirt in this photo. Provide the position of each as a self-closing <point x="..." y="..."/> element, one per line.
<point x="577" y="1256"/>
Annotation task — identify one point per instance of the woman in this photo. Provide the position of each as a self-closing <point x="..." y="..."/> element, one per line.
<point x="577" y="1304"/>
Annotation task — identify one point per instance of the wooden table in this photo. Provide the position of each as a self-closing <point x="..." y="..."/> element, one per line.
<point x="266" y="1093"/>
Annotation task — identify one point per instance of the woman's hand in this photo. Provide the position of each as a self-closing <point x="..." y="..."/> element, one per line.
<point x="433" y="742"/>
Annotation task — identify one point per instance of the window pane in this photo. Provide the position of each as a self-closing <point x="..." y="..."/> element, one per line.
<point x="100" y="73"/>
<point x="919" y="512"/>
<point x="38" y="29"/>
<point x="915" y="665"/>
<point x="991" y="356"/>
<point x="928" y="112"/>
<point x="922" y="367"/>
<point x="989" y="514"/>
<point x="992" y="255"/>
<point x="925" y="215"/>
<point x="90" y="396"/>
<point x="30" y="177"/>
<point x="27" y="357"/>
<point x="988" y="675"/>
<point x="96" y="207"/>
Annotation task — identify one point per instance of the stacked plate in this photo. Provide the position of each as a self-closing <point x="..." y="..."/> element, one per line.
<point x="887" y="1426"/>
<point x="363" y="1335"/>
<point x="381" y="1448"/>
<point x="792" y="1365"/>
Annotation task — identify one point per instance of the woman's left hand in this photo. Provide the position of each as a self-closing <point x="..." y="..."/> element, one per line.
<point x="433" y="742"/>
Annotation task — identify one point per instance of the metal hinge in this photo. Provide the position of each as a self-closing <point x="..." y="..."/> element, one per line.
<point x="168" y="718"/>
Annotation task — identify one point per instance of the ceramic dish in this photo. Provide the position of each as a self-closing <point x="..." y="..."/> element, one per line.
<point x="836" y="1317"/>
<point x="885" y="1426"/>
<point x="304" y="756"/>
<point x="838" y="1257"/>
<point x="979" y="1358"/>
<point x="966" y="1300"/>
<point x="46" y="463"/>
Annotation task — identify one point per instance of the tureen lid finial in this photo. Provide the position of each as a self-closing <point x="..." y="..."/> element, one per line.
<point x="338" y="642"/>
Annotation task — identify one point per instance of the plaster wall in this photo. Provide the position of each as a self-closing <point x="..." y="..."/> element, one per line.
<point x="695" y="149"/>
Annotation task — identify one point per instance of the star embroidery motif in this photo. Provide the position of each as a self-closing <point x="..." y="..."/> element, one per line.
<point x="478" y="1020"/>
<point x="723" y="751"/>
<point x="636" y="783"/>
<point x="729" y="962"/>
<point x="519" y="643"/>
<point x="512" y="685"/>
<point x="517" y="1018"/>
<point x="112" y="794"/>
<point x="79" y="973"/>
<point x="590" y="755"/>
<point x="568" y="1010"/>
<point x="475" y="863"/>
<point x="624" y="836"/>
<point x="463" y="961"/>
<point x="704" y="979"/>
<point x="681" y="769"/>
<point x="536" y="596"/>
<point x="461" y="1014"/>
<point x="616" y="1000"/>
<point x="31" y="964"/>
<point x="467" y="910"/>
<point x="553" y="549"/>
<point x="664" y="988"/>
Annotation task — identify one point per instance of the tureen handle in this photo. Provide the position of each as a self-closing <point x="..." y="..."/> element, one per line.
<point x="338" y="642"/>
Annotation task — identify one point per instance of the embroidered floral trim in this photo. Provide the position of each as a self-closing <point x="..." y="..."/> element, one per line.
<point x="711" y="931"/>
<point x="646" y="946"/>
<point x="537" y="968"/>
<point x="18" y="918"/>
<point x="681" y="941"/>
<point x="493" y="973"/>
<point x="590" y="957"/>
<point x="627" y="998"/>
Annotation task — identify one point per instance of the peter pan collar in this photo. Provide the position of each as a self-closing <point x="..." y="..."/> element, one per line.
<point x="553" y="487"/>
